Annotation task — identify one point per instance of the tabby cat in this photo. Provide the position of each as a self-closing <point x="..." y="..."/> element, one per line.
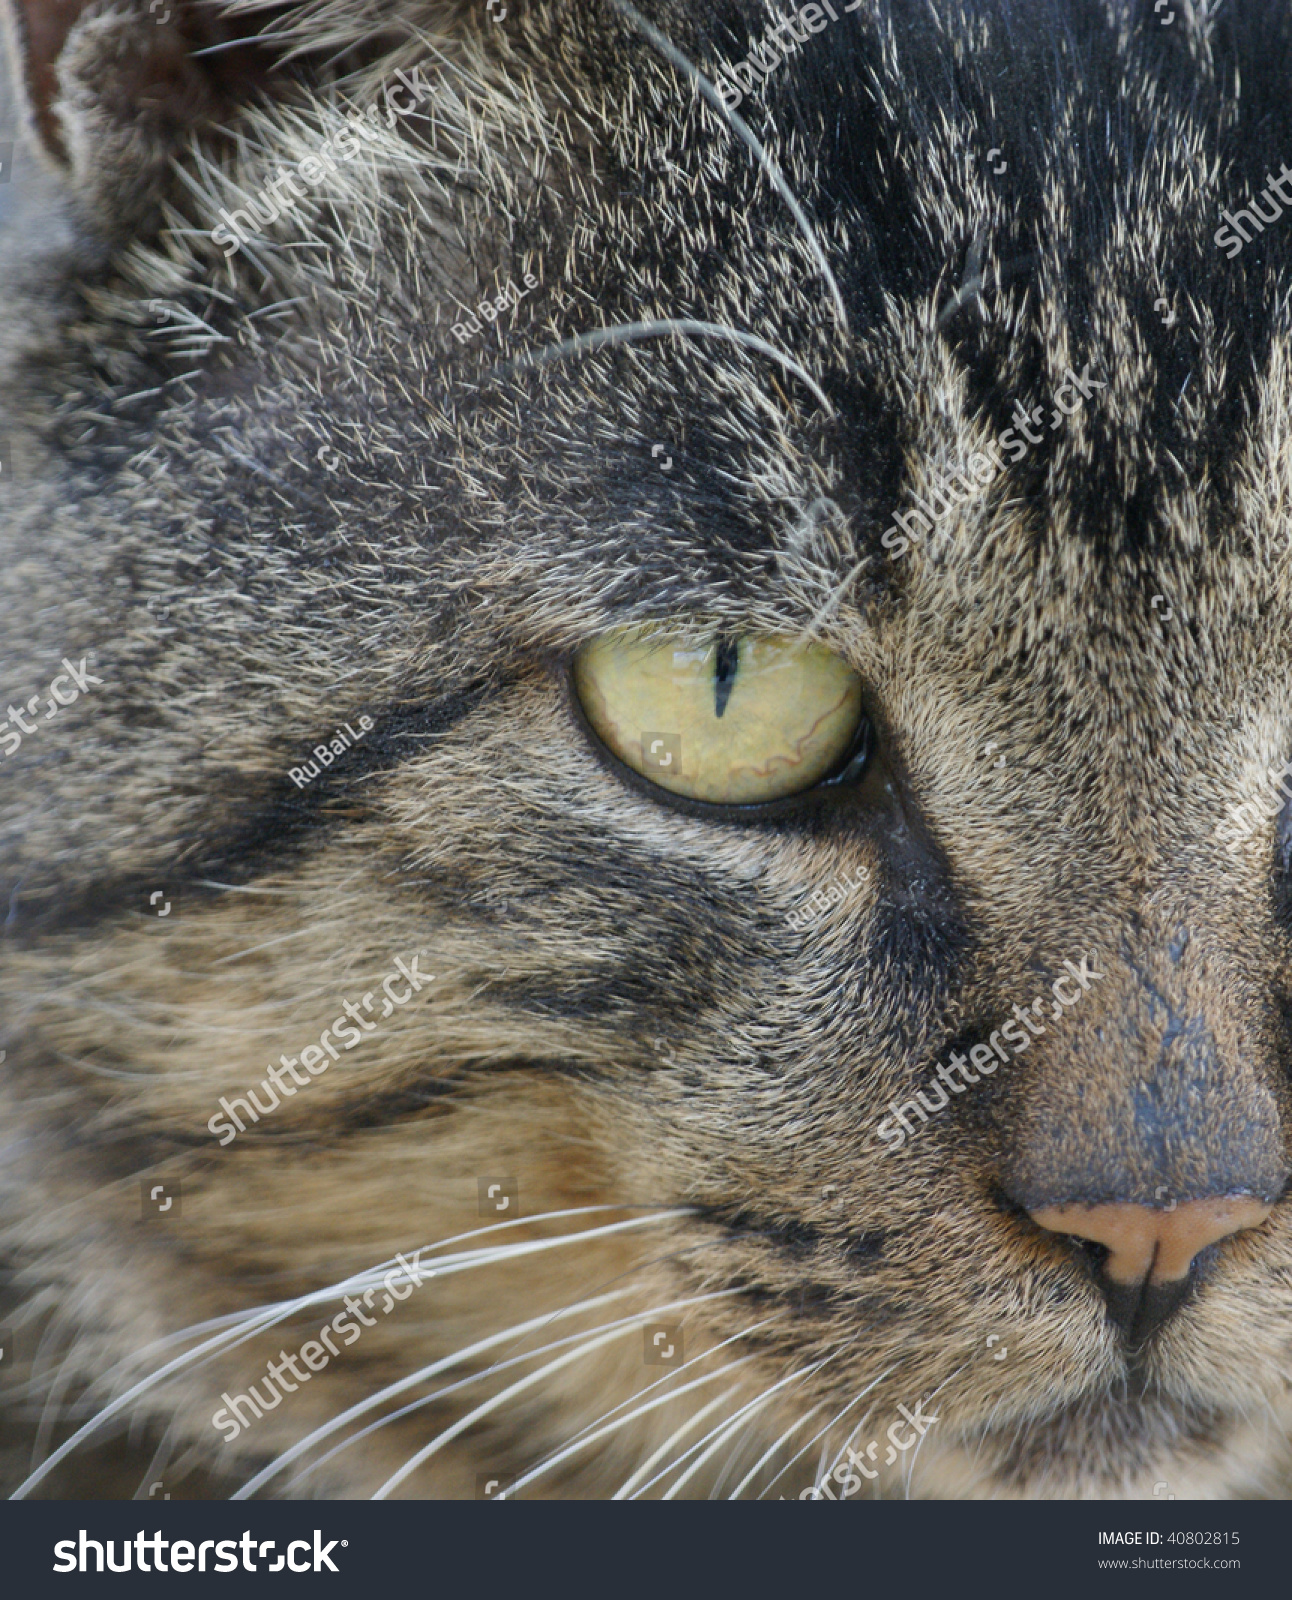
<point x="629" y="628"/>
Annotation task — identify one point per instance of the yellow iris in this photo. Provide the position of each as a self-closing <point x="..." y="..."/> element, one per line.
<point x="735" y="721"/>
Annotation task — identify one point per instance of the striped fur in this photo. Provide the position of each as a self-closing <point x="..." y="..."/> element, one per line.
<point x="268" y="495"/>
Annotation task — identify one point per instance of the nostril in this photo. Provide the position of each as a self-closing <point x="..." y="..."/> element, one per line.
<point x="1143" y="1256"/>
<point x="1095" y="1253"/>
<point x="1145" y="1242"/>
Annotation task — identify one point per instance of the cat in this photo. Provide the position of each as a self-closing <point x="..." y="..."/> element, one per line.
<point x="598" y="1206"/>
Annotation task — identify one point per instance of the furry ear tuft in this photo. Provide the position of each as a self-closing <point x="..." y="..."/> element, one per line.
<point x="112" y="87"/>
<point x="39" y="32"/>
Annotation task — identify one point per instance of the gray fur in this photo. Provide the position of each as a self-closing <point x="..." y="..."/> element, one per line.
<point x="622" y="1015"/>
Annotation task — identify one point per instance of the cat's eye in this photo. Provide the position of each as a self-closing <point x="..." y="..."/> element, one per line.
<point x="734" y="720"/>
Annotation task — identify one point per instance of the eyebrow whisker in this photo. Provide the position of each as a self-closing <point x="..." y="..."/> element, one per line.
<point x="626" y="332"/>
<point x="743" y="131"/>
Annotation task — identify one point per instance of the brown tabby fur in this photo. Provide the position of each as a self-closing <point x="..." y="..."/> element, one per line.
<point x="622" y="1016"/>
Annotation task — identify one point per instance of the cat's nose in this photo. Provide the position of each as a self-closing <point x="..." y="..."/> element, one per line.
<point x="1150" y="1249"/>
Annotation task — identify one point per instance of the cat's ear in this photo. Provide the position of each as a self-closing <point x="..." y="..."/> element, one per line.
<point x="111" y="88"/>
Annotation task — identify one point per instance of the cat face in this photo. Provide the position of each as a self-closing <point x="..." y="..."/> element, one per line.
<point x="903" y="1072"/>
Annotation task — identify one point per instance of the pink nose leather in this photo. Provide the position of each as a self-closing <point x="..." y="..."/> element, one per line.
<point x="1145" y="1242"/>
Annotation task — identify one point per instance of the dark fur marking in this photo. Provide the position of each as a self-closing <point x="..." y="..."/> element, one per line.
<point x="277" y="828"/>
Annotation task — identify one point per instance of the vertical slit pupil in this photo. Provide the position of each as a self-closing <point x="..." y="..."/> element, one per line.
<point x="724" y="673"/>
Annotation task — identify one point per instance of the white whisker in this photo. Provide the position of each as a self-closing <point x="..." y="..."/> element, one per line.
<point x="271" y="1315"/>
<point x="626" y="332"/>
<point x="522" y="1384"/>
<point x="160" y="1456"/>
<point x="910" y="1463"/>
<point x="834" y="597"/>
<point x="50" y="1410"/>
<point x="669" y="1377"/>
<point x="750" y="1409"/>
<point x="839" y="1454"/>
<point x="622" y="1422"/>
<point x="738" y="1452"/>
<point x="401" y="1385"/>
<point x="824" y="1435"/>
<point x="803" y="1449"/>
<point x="822" y="1432"/>
<point x="678" y="1434"/>
<point x="734" y="1425"/>
<point x="771" y="1450"/>
<point x="639" y="1487"/>
<point x="843" y="1448"/>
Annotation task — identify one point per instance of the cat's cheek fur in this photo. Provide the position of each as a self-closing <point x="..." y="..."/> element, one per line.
<point x="1050" y="663"/>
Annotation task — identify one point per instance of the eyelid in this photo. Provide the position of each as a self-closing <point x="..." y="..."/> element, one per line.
<point x="769" y="813"/>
